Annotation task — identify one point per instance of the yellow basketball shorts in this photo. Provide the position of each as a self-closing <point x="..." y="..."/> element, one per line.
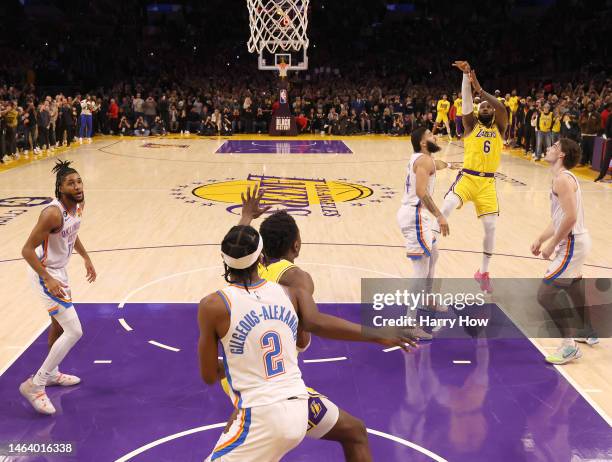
<point x="479" y="190"/>
<point x="441" y="118"/>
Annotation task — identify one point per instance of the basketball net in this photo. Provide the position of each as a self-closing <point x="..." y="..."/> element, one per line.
<point x="278" y="24"/>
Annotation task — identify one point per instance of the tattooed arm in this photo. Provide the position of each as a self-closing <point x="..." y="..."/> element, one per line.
<point x="424" y="167"/>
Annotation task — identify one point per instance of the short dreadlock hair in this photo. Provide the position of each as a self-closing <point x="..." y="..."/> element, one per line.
<point x="239" y="242"/>
<point x="61" y="169"/>
<point x="279" y="232"/>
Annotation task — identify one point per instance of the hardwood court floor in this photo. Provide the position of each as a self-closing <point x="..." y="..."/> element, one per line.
<point x="157" y="208"/>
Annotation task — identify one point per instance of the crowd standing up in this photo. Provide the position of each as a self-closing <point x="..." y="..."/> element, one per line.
<point x="33" y="122"/>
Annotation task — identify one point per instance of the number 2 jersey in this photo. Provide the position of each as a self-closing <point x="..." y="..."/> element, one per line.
<point x="259" y="349"/>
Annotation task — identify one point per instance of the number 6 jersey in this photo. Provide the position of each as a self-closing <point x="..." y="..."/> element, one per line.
<point x="259" y="348"/>
<point x="482" y="149"/>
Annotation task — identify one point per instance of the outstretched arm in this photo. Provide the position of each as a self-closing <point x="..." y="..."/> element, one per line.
<point x="333" y="327"/>
<point x="501" y="116"/>
<point x="467" y="103"/>
<point x="441" y="165"/>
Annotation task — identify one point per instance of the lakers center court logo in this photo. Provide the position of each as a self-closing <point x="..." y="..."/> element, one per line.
<point x="298" y="196"/>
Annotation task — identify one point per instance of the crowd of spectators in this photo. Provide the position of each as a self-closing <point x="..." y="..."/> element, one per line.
<point x="125" y="71"/>
<point x="326" y="103"/>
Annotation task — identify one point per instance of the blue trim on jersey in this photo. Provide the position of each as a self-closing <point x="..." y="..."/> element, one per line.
<point x="53" y="297"/>
<point x="225" y="301"/>
<point x="418" y="230"/>
<point x="559" y="272"/>
<point x="239" y="441"/>
<point x="229" y="377"/>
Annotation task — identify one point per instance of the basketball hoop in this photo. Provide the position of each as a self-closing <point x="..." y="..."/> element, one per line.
<point x="278" y="24"/>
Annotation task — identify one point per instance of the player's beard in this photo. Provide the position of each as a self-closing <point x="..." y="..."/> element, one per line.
<point x="432" y="147"/>
<point x="486" y="119"/>
<point x="75" y="198"/>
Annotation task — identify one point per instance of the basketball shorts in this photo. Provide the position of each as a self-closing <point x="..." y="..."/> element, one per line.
<point x="569" y="258"/>
<point x="322" y="413"/>
<point x="481" y="191"/>
<point x="417" y="226"/>
<point x="441" y="118"/>
<point x="52" y="304"/>
<point x="263" y="433"/>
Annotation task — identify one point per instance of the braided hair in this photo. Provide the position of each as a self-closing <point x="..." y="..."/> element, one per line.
<point x="61" y="169"/>
<point x="239" y="242"/>
<point x="279" y="232"/>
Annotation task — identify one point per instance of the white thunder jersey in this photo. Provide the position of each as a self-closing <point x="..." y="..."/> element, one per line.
<point x="55" y="251"/>
<point x="557" y="212"/>
<point x="259" y="349"/>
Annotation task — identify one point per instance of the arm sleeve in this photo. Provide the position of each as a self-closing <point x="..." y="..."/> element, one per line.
<point x="467" y="104"/>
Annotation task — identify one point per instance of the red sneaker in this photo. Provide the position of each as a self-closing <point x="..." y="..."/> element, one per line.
<point x="484" y="281"/>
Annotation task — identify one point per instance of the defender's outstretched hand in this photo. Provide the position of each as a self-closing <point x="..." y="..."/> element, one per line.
<point x="250" y="204"/>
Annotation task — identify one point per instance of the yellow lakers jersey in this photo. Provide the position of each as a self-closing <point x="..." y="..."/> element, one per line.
<point x="556" y="128"/>
<point x="443" y="106"/>
<point x="513" y="103"/>
<point x="482" y="149"/>
<point x="545" y="122"/>
<point x="274" y="271"/>
<point x="458" y="107"/>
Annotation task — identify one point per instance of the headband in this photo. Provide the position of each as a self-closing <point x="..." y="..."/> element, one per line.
<point x="246" y="261"/>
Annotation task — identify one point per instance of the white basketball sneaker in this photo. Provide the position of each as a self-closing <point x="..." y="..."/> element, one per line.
<point x="63" y="380"/>
<point x="37" y="398"/>
<point x="588" y="340"/>
<point x="564" y="354"/>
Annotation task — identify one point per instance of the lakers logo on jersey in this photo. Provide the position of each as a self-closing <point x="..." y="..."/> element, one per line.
<point x="486" y="133"/>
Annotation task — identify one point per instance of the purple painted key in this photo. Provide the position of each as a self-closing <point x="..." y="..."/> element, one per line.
<point x="284" y="147"/>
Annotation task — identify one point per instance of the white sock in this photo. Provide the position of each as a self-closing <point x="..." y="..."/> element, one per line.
<point x="71" y="325"/>
<point x="488" y="243"/>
